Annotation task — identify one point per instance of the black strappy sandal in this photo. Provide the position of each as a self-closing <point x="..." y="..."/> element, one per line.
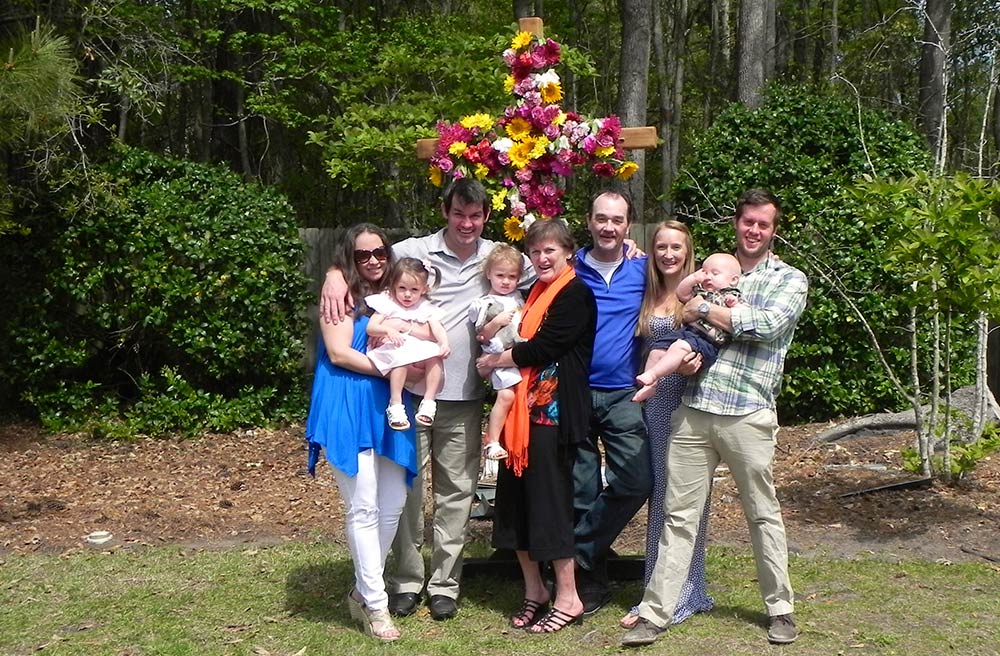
<point x="530" y="611"/>
<point x="555" y="620"/>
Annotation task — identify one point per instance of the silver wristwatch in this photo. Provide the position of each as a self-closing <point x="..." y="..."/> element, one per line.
<point x="703" y="308"/>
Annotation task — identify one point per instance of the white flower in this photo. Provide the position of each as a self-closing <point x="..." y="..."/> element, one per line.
<point x="527" y="221"/>
<point x="503" y="144"/>
<point x="548" y="77"/>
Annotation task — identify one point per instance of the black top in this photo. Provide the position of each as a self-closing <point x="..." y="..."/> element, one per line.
<point x="566" y="336"/>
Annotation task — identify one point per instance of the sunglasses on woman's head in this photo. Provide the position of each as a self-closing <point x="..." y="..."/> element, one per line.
<point x="362" y="256"/>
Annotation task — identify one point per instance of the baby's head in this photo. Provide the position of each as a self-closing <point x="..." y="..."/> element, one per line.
<point x="502" y="268"/>
<point x="720" y="270"/>
<point x="408" y="282"/>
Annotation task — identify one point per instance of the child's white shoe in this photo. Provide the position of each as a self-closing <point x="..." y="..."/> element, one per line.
<point x="396" y="414"/>
<point x="494" y="451"/>
<point x="425" y="413"/>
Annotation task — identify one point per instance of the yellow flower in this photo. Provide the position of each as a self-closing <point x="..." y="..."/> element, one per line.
<point x="559" y="119"/>
<point x="518" y="128"/>
<point x="482" y="121"/>
<point x="512" y="229"/>
<point x="520" y="153"/>
<point x="435" y="175"/>
<point x="604" y="151"/>
<point x="539" y="148"/>
<point x="551" y="93"/>
<point x="457" y="148"/>
<point x="481" y="171"/>
<point x="508" y="84"/>
<point x="499" y="200"/>
<point x="626" y="170"/>
<point x="521" y="40"/>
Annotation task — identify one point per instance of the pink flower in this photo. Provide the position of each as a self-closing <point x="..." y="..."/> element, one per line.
<point x="518" y="208"/>
<point x="524" y="174"/>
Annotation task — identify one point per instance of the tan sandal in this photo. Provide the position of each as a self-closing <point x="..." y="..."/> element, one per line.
<point x="376" y="623"/>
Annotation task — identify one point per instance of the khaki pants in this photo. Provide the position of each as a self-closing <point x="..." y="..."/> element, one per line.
<point x="451" y="448"/>
<point x="746" y="444"/>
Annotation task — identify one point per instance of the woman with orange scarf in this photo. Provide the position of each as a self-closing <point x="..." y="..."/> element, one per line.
<point x="533" y="514"/>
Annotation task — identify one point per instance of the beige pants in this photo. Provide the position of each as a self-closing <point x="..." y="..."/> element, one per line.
<point x="746" y="444"/>
<point x="451" y="450"/>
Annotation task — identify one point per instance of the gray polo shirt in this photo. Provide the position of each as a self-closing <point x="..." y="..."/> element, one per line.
<point x="461" y="283"/>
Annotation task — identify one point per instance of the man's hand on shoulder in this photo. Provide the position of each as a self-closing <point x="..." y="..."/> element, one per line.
<point x="335" y="298"/>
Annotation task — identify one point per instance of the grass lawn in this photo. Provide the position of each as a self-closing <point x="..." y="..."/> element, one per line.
<point x="289" y="600"/>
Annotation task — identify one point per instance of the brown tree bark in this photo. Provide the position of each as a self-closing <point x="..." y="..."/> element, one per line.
<point x="752" y="52"/>
<point x="933" y="63"/>
<point x="636" y="19"/>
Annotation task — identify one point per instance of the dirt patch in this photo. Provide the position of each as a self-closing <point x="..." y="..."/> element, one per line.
<point x="219" y="491"/>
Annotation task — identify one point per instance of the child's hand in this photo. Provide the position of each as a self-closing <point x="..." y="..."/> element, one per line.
<point x="504" y="318"/>
<point x="394" y="337"/>
<point x="445" y="351"/>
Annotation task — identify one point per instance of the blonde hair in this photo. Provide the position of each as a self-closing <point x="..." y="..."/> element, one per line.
<point x="656" y="282"/>
<point x="503" y="254"/>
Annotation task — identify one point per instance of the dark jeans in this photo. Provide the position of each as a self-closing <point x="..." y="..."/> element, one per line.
<point x="602" y="512"/>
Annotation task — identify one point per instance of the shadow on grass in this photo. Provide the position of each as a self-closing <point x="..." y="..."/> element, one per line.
<point x="318" y="591"/>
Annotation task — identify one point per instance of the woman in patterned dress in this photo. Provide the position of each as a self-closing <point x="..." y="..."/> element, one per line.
<point x="671" y="260"/>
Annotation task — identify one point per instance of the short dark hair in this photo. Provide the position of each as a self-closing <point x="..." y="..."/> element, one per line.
<point x="756" y="198"/>
<point x="468" y="190"/>
<point x="616" y="190"/>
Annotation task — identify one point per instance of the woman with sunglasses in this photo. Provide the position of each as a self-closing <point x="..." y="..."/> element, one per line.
<point x="372" y="464"/>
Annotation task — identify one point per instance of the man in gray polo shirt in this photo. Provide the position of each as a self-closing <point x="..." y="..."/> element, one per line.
<point x="452" y="445"/>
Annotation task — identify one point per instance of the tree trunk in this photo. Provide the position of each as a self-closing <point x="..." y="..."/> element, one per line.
<point x="770" y="34"/>
<point x="834" y="38"/>
<point x="933" y="60"/>
<point x="670" y="67"/>
<point x="636" y="18"/>
<point x="524" y="9"/>
<point x="752" y="52"/>
<point x="718" y="58"/>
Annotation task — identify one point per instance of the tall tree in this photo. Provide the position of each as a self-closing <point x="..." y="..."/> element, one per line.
<point x="636" y="21"/>
<point x="753" y="49"/>
<point x="934" y="73"/>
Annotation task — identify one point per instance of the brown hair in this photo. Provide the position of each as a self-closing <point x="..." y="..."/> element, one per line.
<point x="416" y="268"/>
<point x="656" y="282"/>
<point x="757" y="198"/>
<point x="554" y="229"/>
<point x="469" y="191"/>
<point x="344" y="260"/>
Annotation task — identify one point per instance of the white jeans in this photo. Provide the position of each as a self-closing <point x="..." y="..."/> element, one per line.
<point x="374" y="500"/>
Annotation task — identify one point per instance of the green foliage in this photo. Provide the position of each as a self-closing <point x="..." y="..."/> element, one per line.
<point x="965" y="457"/>
<point x="172" y="298"/>
<point x="808" y="148"/>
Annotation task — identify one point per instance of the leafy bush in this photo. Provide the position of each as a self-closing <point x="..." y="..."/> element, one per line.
<point x="965" y="457"/>
<point x="809" y="149"/>
<point x="172" y="300"/>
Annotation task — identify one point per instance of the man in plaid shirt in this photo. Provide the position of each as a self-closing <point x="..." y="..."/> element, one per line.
<point x="728" y="414"/>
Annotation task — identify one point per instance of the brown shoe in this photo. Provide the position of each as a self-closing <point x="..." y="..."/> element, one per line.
<point x="781" y="629"/>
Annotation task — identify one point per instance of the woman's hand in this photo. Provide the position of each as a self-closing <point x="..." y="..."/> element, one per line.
<point x="485" y="364"/>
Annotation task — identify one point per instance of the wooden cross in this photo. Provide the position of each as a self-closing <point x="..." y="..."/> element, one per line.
<point x="629" y="138"/>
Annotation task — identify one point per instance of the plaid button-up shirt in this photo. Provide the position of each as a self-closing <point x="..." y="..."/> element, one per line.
<point x="747" y="375"/>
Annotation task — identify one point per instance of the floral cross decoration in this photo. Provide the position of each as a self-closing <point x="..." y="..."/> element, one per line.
<point x="523" y="155"/>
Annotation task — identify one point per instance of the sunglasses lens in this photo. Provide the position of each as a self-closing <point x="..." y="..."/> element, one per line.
<point x="362" y="256"/>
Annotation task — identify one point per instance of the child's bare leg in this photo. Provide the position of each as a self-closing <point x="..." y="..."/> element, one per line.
<point x="433" y="378"/>
<point x="664" y="364"/>
<point x="498" y="415"/>
<point x="397" y="377"/>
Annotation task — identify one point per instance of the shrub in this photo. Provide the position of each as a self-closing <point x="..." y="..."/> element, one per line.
<point x="808" y="149"/>
<point x="169" y="299"/>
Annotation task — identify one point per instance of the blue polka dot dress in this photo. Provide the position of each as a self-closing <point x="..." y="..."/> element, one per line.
<point x="659" y="408"/>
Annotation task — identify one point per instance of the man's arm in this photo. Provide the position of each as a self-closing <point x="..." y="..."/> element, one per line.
<point x="335" y="298"/>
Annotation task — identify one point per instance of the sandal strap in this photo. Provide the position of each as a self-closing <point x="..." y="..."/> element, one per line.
<point x="555" y="620"/>
<point x="527" y="614"/>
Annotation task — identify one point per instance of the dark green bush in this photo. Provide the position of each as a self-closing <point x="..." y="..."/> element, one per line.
<point x="809" y="149"/>
<point x="171" y="300"/>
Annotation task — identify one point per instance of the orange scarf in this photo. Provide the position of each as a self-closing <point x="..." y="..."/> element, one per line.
<point x="516" y="427"/>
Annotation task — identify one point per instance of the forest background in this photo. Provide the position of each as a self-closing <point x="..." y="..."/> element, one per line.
<point x="158" y="161"/>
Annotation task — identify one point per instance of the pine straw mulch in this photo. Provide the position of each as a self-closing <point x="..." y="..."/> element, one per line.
<point x="251" y="487"/>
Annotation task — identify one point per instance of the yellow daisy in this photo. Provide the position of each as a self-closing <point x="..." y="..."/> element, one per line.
<point x="512" y="229"/>
<point x="508" y="84"/>
<point x="520" y="153"/>
<point x="481" y="171"/>
<point x="626" y="170"/>
<point x="435" y="175"/>
<point x="551" y="93"/>
<point x="518" y="128"/>
<point x="499" y="199"/>
<point x="521" y="40"/>
<point x="457" y="148"/>
<point x="539" y="148"/>
<point x="482" y="121"/>
<point x="604" y="151"/>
